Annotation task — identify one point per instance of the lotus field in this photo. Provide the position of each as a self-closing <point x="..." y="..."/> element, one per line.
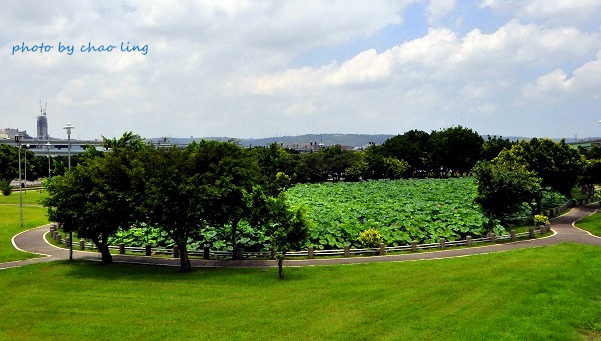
<point x="422" y="210"/>
<point x="401" y="210"/>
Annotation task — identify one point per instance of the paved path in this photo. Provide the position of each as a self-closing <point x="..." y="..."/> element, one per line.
<point x="33" y="241"/>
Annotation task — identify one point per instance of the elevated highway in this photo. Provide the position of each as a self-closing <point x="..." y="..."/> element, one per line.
<point x="55" y="147"/>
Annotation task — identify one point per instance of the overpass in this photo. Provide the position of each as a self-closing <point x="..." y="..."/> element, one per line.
<point x="59" y="147"/>
<point x="55" y="147"/>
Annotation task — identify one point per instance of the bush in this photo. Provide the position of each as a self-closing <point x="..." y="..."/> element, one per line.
<point x="370" y="238"/>
<point x="540" y="219"/>
<point x="5" y="187"/>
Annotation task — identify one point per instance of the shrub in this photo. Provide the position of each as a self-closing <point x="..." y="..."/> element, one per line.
<point x="5" y="187"/>
<point x="370" y="238"/>
<point x="540" y="219"/>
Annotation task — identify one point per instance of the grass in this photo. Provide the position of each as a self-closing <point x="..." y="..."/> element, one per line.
<point x="30" y="197"/>
<point x="33" y="216"/>
<point x="591" y="224"/>
<point x="513" y="295"/>
<point x="577" y="194"/>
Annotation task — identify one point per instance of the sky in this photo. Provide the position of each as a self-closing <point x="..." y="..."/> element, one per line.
<point x="252" y="69"/>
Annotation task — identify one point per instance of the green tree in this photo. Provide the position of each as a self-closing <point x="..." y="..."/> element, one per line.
<point x="168" y="196"/>
<point x="455" y="150"/>
<point x="592" y="152"/>
<point x="413" y="147"/>
<point x="226" y="175"/>
<point x="503" y="187"/>
<point x="358" y="169"/>
<point x="591" y="175"/>
<point x="274" y="165"/>
<point x="93" y="200"/>
<point x="395" y="169"/>
<point x="8" y="162"/>
<point x="493" y="146"/>
<point x="288" y="229"/>
<point x="556" y="163"/>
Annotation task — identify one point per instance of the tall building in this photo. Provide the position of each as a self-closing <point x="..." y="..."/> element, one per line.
<point x="42" y="125"/>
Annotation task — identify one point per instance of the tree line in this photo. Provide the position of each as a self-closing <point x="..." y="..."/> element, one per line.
<point x="179" y="190"/>
<point x="448" y="152"/>
<point x="519" y="174"/>
<point x="210" y="183"/>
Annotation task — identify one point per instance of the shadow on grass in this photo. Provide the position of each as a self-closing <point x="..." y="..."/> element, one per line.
<point x="156" y="273"/>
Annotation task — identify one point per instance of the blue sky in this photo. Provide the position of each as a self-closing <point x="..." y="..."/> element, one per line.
<point x="271" y="68"/>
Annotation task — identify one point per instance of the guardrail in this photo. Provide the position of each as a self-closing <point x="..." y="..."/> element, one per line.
<point x="311" y="252"/>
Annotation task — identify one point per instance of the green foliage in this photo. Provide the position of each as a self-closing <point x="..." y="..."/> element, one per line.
<point x="358" y="169"/>
<point x="558" y="165"/>
<point x="401" y="210"/>
<point x="141" y="235"/>
<point x="502" y="187"/>
<point x="5" y="187"/>
<point x="493" y="146"/>
<point x="9" y="163"/>
<point x="592" y="171"/>
<point x="370" y="238"/>
<point x="395" y="168"/>
<point x="288" y="227"/>
<point x="455" y="149"/>
<point x="95" y="198"/>
<point x="540" y="219"/>
<point x="413" y="147"/>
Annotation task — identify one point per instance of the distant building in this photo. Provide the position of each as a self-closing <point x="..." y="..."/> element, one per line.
<point x="12" y="132"/>
<point x="305" y="147"/>
<point x="43" y="127"/>
<point x="310" y="147"/>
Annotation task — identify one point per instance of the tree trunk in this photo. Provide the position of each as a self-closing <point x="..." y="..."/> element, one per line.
<point x="184" y="260"/>
<point x="103" y="248"/>
<point x="281" y="265"/>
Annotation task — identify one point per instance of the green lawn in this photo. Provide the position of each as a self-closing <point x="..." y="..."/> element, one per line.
<point x="33" y="215"/>
<point x="30" y="197"/>
<point x="517" y="295"/>
<point x="591" y="223"/>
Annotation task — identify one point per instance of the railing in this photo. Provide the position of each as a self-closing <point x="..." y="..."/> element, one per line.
<point x="310" y="253"/>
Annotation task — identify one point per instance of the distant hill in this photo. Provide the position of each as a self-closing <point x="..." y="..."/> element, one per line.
<point x="352" y="140"/>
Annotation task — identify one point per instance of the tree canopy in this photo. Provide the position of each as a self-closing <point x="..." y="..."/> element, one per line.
<point x="503" y="187"/>
<point x="557" y="164"/>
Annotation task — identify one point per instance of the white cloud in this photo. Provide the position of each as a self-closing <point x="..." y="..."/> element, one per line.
<point x="224" y="67"/>
<point x="438" y="9"/>
<point x="559" y="86"/>
<point x="556" y="11"/>
<point x="443" y="56"/>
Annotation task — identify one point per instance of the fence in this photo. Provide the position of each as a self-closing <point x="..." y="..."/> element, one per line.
<point x="311" y="253"/>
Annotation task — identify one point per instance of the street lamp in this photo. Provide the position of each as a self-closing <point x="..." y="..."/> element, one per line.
<point x="48" y="152"/>
<point x="27" y="145"/>
<point x="68" y="127"/>
<point x="18" y="140"/>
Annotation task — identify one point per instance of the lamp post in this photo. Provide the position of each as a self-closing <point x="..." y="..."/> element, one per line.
<point x="18" y="139"/>
<point x="48" y="152"/>
<point x="68" y="127"/>
<point x="27" y="145"/>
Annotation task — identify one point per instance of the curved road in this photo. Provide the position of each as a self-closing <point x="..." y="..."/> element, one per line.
<point x="33" y="241"/>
